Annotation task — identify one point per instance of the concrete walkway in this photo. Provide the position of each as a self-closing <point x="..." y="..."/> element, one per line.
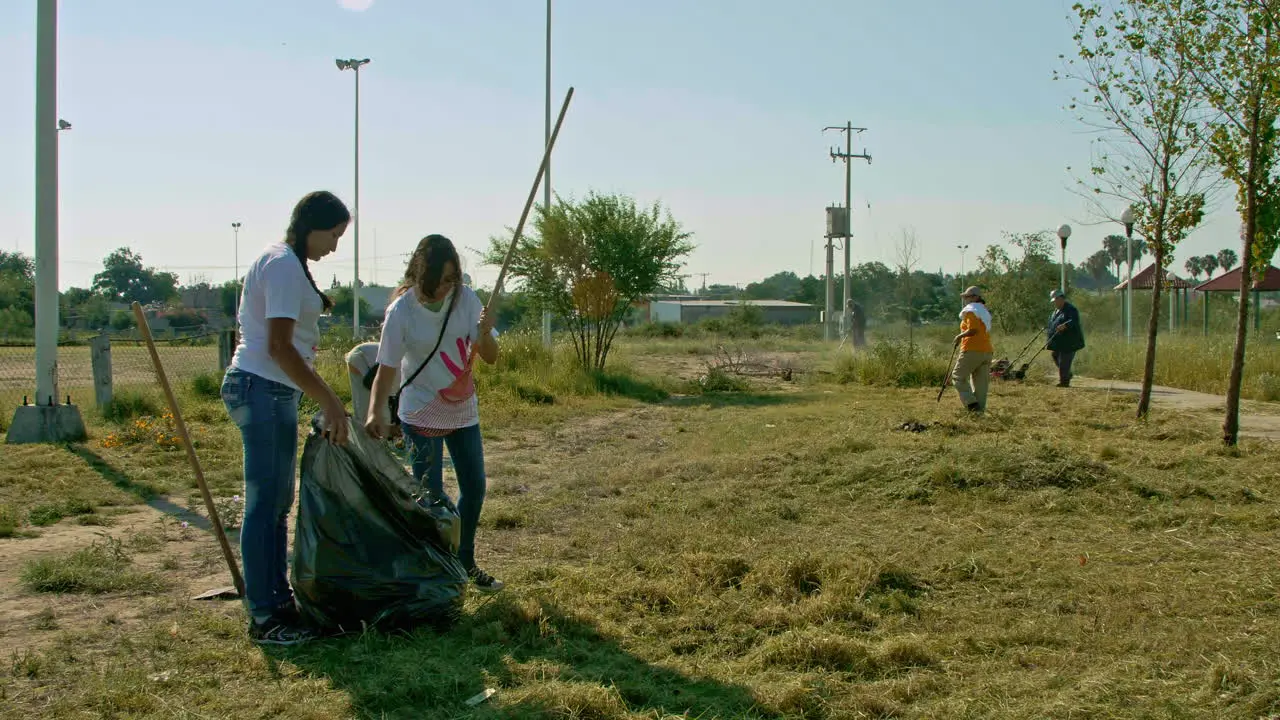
<point x="1257" y="419"/>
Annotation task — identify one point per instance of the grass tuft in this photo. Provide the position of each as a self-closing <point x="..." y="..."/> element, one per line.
<point x="129" y="404"/>
<point x="100" y="568"/>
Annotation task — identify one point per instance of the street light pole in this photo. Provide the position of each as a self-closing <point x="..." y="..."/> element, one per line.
<point x="235" y="228"/>
<point x="963" y="249"/>
<point x="546" y="179"/>
<point x="1128" y="218"/>
<point x="355" y="65"/>
<point x="1064" y="232"/>
<point x="46" y="215"/>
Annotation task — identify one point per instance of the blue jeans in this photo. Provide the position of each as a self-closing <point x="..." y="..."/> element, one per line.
<point x="267" y="414"/>
<point x="466" y="450"/>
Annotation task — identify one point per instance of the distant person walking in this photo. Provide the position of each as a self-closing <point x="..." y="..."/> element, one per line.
<point x="1066" y="336"/>
<point x="273" y="367"/>
<point x="858" y="318"/>
<point x="972" y="374"/>
<point x="853" y="325"/>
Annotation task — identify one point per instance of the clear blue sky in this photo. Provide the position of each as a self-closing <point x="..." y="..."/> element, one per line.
<point x="188" y="116"/>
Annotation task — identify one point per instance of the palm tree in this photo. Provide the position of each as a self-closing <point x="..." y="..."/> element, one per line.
<point x="1194" y="267"/>
<point x="1114" y="247"/>
<point x="1139" y="251"/>
<point x="1227" y="259"/>
<point x="1210" y="264"/>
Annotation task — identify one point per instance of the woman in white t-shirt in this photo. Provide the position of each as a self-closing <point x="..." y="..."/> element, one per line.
<point x="434" y="330"/>
<point x="273" y="366"/>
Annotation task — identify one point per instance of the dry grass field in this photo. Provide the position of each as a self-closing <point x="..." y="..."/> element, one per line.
<point x="681" y="544"/>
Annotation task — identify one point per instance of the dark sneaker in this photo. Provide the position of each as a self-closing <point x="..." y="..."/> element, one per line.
<point x="277" y="632"/>
<point x="484" y="582"/>
<point x="974" y="407"/>
<point x="288" y="615"/>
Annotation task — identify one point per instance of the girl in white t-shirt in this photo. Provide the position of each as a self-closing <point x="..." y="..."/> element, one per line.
<point x="434" y="330"/>
<point x="273" y="367"/>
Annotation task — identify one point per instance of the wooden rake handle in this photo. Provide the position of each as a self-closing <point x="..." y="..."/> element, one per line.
<point x="232" y="565"/>
<point x="528" y="204"/>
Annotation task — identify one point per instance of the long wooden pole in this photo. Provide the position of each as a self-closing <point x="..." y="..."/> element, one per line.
<point x="232" y="565"/>
<point x="528" y="205"/>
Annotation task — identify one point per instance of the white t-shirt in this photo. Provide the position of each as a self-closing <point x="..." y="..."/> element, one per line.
<point x="276" y="287"/>
<point x="361" y="358"/>
<point x="443" y="395"/>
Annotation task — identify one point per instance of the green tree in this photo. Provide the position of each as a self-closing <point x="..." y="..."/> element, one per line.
<point x="1195" y="267"/>
<point x="589" y="260"/>
<point x="1142" y="97"/>
<point x="229" y="297"/>
<point x="125" y="279"/>
<point x="1098" y="267"/>
<point x="516" y="310"/>
<point x="781" y="286"/>
<point x="1016" y="285"/>
<point x="1233" y="47"/>
<point x="342" y="303"/>
<point x="122" y="320"/>
<point x="1115" y="246"/>
<point x="17" y="293"/>
<point x="1227" y="259"/>
<point x="1209" y="263"/>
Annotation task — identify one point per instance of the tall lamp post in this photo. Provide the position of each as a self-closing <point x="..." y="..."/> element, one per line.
<point x="235" y="229"/>
<point x="1064" y="232"/>
<point x="355" y="65"/>
<point x="1127" y="218"/>
<point x="963" y="249"/>
<point x="546" y="177"/>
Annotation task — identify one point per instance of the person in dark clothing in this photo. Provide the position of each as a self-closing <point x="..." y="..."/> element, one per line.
<point x="859" y="324"/>
<point x="1066" y="336"/>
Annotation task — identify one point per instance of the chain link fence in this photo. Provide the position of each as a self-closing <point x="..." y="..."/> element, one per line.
<point x="115" y="376"/>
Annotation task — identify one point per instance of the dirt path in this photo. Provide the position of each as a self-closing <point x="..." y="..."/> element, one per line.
<point x="1257" y="419"/>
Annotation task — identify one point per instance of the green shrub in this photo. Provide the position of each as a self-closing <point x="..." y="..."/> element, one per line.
<point x="128" y="404"/>
<point x="207" y="385"/>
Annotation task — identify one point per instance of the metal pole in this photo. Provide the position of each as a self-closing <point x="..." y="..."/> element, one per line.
<point x="831" y="290"/>
<point x="1062" y="270"/>
<point x="355" y="286"/>
<point x="235" y="228"/>
<point x="848" y="220"/>
<point x="1128" y="288"/>
<point x="546" y="186"/>
<point x="46" y="221"/>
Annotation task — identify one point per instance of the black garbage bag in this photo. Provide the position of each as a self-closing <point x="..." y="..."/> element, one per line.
<point x="372" y="548"/>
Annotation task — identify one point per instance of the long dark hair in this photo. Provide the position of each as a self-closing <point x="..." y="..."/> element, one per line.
<point x="319" y="210"/>
<point x="426" y="267"/>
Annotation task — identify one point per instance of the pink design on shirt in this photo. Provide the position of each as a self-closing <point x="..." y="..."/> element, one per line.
<point x="463" y="385"/>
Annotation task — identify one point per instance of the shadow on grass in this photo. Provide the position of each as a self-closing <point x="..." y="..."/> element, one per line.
<point x="144" y="493"/>
<point x="542" y="661"/>
<point x="628" y="386"/>
<point x="735" y="399"/>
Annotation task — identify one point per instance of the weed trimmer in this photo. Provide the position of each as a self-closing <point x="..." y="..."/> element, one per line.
<point x="951" y="369"/>
<point x="1005" y="369"/>
<point x="1042" y="349"/>
<point x="232" y="565"/>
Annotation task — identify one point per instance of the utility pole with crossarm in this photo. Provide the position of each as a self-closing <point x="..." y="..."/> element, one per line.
<point x="847" y="231"/>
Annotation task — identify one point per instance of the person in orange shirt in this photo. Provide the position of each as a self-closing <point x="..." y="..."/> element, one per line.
<point x="972" y="374"/>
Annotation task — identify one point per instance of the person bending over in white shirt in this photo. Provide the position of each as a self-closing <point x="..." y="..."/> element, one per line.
<point x="273" y="366"/>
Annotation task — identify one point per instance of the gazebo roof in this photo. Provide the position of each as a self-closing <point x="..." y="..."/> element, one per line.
<point x="1230" y="281"/>
<point x="1145" y="280"/>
